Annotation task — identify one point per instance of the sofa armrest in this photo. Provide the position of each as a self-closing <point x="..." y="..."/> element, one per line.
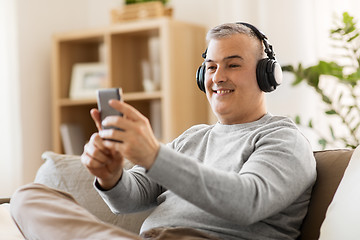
<point x="330" y="166"/>
<point x="66" y="173"/>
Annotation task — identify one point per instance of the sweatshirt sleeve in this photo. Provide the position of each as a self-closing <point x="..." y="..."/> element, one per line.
<point x="134" y="192"/>
<point x="279" y="170"/>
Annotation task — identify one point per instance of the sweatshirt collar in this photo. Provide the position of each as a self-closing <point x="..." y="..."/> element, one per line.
<point x="234" y="127"/>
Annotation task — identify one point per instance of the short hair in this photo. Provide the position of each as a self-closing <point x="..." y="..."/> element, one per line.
<point x="228" y="29"/>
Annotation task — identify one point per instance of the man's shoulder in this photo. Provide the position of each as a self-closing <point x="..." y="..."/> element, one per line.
<point x="282" y="127"/>
<point x="281" y="121"/>
<point x="278" y="125"/>
<point x="193" y="133"/>
<point x="197" y="129"/>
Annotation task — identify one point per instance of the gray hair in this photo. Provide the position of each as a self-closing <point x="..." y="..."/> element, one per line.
<point x="228" y="29"/>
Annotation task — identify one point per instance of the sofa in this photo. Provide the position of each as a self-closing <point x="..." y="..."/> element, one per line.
<point x="333" y="211"/>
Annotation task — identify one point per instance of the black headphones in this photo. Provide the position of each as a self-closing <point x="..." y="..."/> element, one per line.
<point x="268" y="71"/>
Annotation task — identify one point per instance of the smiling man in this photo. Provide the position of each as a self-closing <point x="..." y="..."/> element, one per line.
<point x="249" y="176"/>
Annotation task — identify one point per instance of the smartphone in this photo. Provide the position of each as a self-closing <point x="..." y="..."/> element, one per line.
<point x="103" y="98"/>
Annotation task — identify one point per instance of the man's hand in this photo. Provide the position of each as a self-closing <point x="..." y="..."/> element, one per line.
<point x="105" y="164"/>
<point x="136" y="140"/>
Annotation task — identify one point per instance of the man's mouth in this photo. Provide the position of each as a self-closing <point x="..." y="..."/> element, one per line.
<point x="223" y="91"/>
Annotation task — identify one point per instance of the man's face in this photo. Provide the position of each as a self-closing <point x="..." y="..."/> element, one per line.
<point x="230" y="79"/>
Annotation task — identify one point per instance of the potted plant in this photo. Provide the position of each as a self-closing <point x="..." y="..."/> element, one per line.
<point x="344" y="103"/>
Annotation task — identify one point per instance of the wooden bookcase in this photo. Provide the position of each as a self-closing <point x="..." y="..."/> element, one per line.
<point x="179" y="103"/>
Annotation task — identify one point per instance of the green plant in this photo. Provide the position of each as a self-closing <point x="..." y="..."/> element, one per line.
<point x="142" y="1"/>
<point x="343" y="104"/>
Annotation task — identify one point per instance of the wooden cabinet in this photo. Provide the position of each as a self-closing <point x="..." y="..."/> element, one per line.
<point x="172" y="107"/>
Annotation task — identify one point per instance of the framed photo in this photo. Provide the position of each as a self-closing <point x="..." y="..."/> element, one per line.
<point x="86" y="79"/>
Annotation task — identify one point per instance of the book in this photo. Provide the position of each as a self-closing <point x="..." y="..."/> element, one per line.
<point x="73" y="138"/>
<point x="155" y="118"/>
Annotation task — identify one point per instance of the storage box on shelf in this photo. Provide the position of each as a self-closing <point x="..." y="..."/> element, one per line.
<point x="172" y="106"/>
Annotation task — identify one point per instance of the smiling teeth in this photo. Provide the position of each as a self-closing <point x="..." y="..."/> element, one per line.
<point x="223" y="91"/>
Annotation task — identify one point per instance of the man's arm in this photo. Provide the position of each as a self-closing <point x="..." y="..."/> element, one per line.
<point x="275" y="175"/>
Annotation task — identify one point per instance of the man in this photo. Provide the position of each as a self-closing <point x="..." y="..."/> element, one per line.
<point x="249" y="176"/>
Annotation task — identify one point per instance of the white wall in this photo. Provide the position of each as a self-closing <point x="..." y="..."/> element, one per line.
<point x="297" y="29"/>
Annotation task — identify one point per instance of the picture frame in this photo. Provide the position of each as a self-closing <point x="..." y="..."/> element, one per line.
<point x="86" y="78"/>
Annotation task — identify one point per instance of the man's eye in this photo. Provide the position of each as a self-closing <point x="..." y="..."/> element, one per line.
<point x="234" y="65"/>
<point x="211" y="67"/>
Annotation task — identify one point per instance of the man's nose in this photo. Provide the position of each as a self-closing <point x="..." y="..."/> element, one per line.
<point x="219" y="75"/>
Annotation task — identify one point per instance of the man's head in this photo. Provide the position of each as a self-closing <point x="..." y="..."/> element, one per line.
<point x="231" y="60"/>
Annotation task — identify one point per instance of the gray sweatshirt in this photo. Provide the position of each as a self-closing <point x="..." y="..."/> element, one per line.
<point x="242" y="181"/>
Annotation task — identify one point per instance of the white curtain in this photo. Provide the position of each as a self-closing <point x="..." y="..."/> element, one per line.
<point x="10" y="144"/>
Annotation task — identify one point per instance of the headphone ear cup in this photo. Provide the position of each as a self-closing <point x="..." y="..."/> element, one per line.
<point x="268" y="74"/>
<point x="200" y="77"/>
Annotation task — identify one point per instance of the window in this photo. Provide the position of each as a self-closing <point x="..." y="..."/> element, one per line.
<point x="10" y="143"/>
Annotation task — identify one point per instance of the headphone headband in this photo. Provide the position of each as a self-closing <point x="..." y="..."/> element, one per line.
<point x="261" y="36"/>
<point x="268" y="47"/>
<point x="257" y="32"/>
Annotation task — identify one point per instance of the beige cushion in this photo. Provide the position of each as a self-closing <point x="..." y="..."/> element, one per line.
<point x="65" y="172"/>
<point x="342" y="219"/>
<point x="8" y="229"/>
<point x="330" y="167"/>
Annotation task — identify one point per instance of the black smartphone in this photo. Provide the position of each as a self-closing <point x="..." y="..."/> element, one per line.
<point x="103" y="98"/>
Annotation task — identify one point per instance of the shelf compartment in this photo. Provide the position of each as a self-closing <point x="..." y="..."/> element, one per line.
<point x="129" y="51"/>
<point x="79" y="114"/>
<point x="86" y="50"/>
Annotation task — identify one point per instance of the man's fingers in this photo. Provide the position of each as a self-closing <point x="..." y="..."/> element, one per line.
<point x="96" y="150"/>
<point x="128" y="111"/>
<point x="91" y="162"/>
<point x="111" y="134"/>
<point x="118" y="123"/>
<point x="95" y="115"/>
<point x="98" y="144"/>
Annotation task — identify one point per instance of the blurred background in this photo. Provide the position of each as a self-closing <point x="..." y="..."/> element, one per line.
<point x="298" y="30"/>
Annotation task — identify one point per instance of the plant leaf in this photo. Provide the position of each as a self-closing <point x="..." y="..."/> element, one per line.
<point x="326" y="99"/>
<point x="353" y="37"/>
<point x="330" y="112"/>
<point x="287" y="68"/>
<point x="332" y="132"/>
<point x="356" y="127"/>
<point x="310" y="124"/>
<point x="340" y="96"/>
<point x="322" y="142"/>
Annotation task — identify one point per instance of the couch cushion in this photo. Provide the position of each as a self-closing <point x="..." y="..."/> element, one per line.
<point x="65" y="172"/>
<point x="343" y="215"/>
<point x="330" y="166"/>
